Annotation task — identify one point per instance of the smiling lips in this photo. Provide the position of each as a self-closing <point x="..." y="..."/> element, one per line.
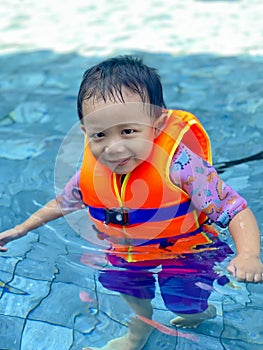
<point x="120" y="162"/>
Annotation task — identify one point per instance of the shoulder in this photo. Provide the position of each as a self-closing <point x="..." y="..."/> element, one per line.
<point x="183" y="157"/>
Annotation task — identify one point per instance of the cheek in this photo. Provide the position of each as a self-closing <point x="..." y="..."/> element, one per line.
<point x="144" y="148"/>
<point x="95" y="150"/>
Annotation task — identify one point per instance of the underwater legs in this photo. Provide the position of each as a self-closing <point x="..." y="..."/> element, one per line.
<point x="138" y="331"/>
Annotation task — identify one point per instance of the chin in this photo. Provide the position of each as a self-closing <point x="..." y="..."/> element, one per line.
<point x="123" y="170"/>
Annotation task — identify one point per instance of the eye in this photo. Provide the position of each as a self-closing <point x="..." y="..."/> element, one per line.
<point x="128" y="131"/>
<point x="98" y="135"/>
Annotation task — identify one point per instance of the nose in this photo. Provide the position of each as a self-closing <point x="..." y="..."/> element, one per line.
<point x="114" y="146"/>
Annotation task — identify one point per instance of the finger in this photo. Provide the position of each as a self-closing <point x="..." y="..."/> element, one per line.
<point x="258" y="277"/>
<point x="250" y="277"/>
<point x="232" y="269"/>
<point x="3" y="249"/>
<point x="241" y="275"/>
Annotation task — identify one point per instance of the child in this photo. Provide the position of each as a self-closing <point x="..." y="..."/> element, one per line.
<point x="152" y="193"/>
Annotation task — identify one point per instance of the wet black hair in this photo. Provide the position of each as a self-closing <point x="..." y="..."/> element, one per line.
<point x="106" y="80"/>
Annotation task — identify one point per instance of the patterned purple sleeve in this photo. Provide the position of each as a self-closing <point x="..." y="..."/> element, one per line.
<point x="70" y="198"/>
<point x="207" y="190"/>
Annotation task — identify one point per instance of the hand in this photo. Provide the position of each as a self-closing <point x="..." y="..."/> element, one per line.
<point x="246" y="268"/>
<point x="10" y="235"/>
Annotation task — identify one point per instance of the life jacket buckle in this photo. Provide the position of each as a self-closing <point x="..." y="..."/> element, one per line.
<point x="117" y="216"/>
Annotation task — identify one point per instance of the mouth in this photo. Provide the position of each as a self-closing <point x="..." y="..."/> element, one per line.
<point x="119" y="162"/>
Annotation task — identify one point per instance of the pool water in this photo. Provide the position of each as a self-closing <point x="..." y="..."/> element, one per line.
<point x="49" y="298"/>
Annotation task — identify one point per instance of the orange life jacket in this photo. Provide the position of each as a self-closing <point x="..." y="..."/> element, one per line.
<point x="147" y="217"/>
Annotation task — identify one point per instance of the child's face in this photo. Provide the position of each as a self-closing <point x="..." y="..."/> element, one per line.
<point x="120" y="135"/>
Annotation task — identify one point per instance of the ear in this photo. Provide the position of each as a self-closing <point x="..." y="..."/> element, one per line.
<point x="159" y="123"/>
<point x="83" y="128"/>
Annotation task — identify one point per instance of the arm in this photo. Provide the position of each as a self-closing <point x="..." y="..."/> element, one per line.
<point x="225" y="207"/>
<point x="247" y="265"/>
<point x="66" y="202"/>
<point x="50" y="211"/>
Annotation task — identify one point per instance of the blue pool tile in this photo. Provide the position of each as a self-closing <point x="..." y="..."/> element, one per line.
<point x="105" y="330"/>
<point x="45" y="336"/>
<point x="18" y="252"/>
<point x="237" y="326"/>
<point x="25" y="296"/>
<point x="5" y="277"/>
<point x="36" y="269"/>
<point x="60" y="306"/>
<point x="8" y="264"/>
<point x="71" y="270"/>
<point x="230" y="344"/>
<point x="80" y="340"/>
<point x="10" y="332"/>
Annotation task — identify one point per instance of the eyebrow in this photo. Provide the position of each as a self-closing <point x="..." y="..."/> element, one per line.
<point x="123" y="125"/>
